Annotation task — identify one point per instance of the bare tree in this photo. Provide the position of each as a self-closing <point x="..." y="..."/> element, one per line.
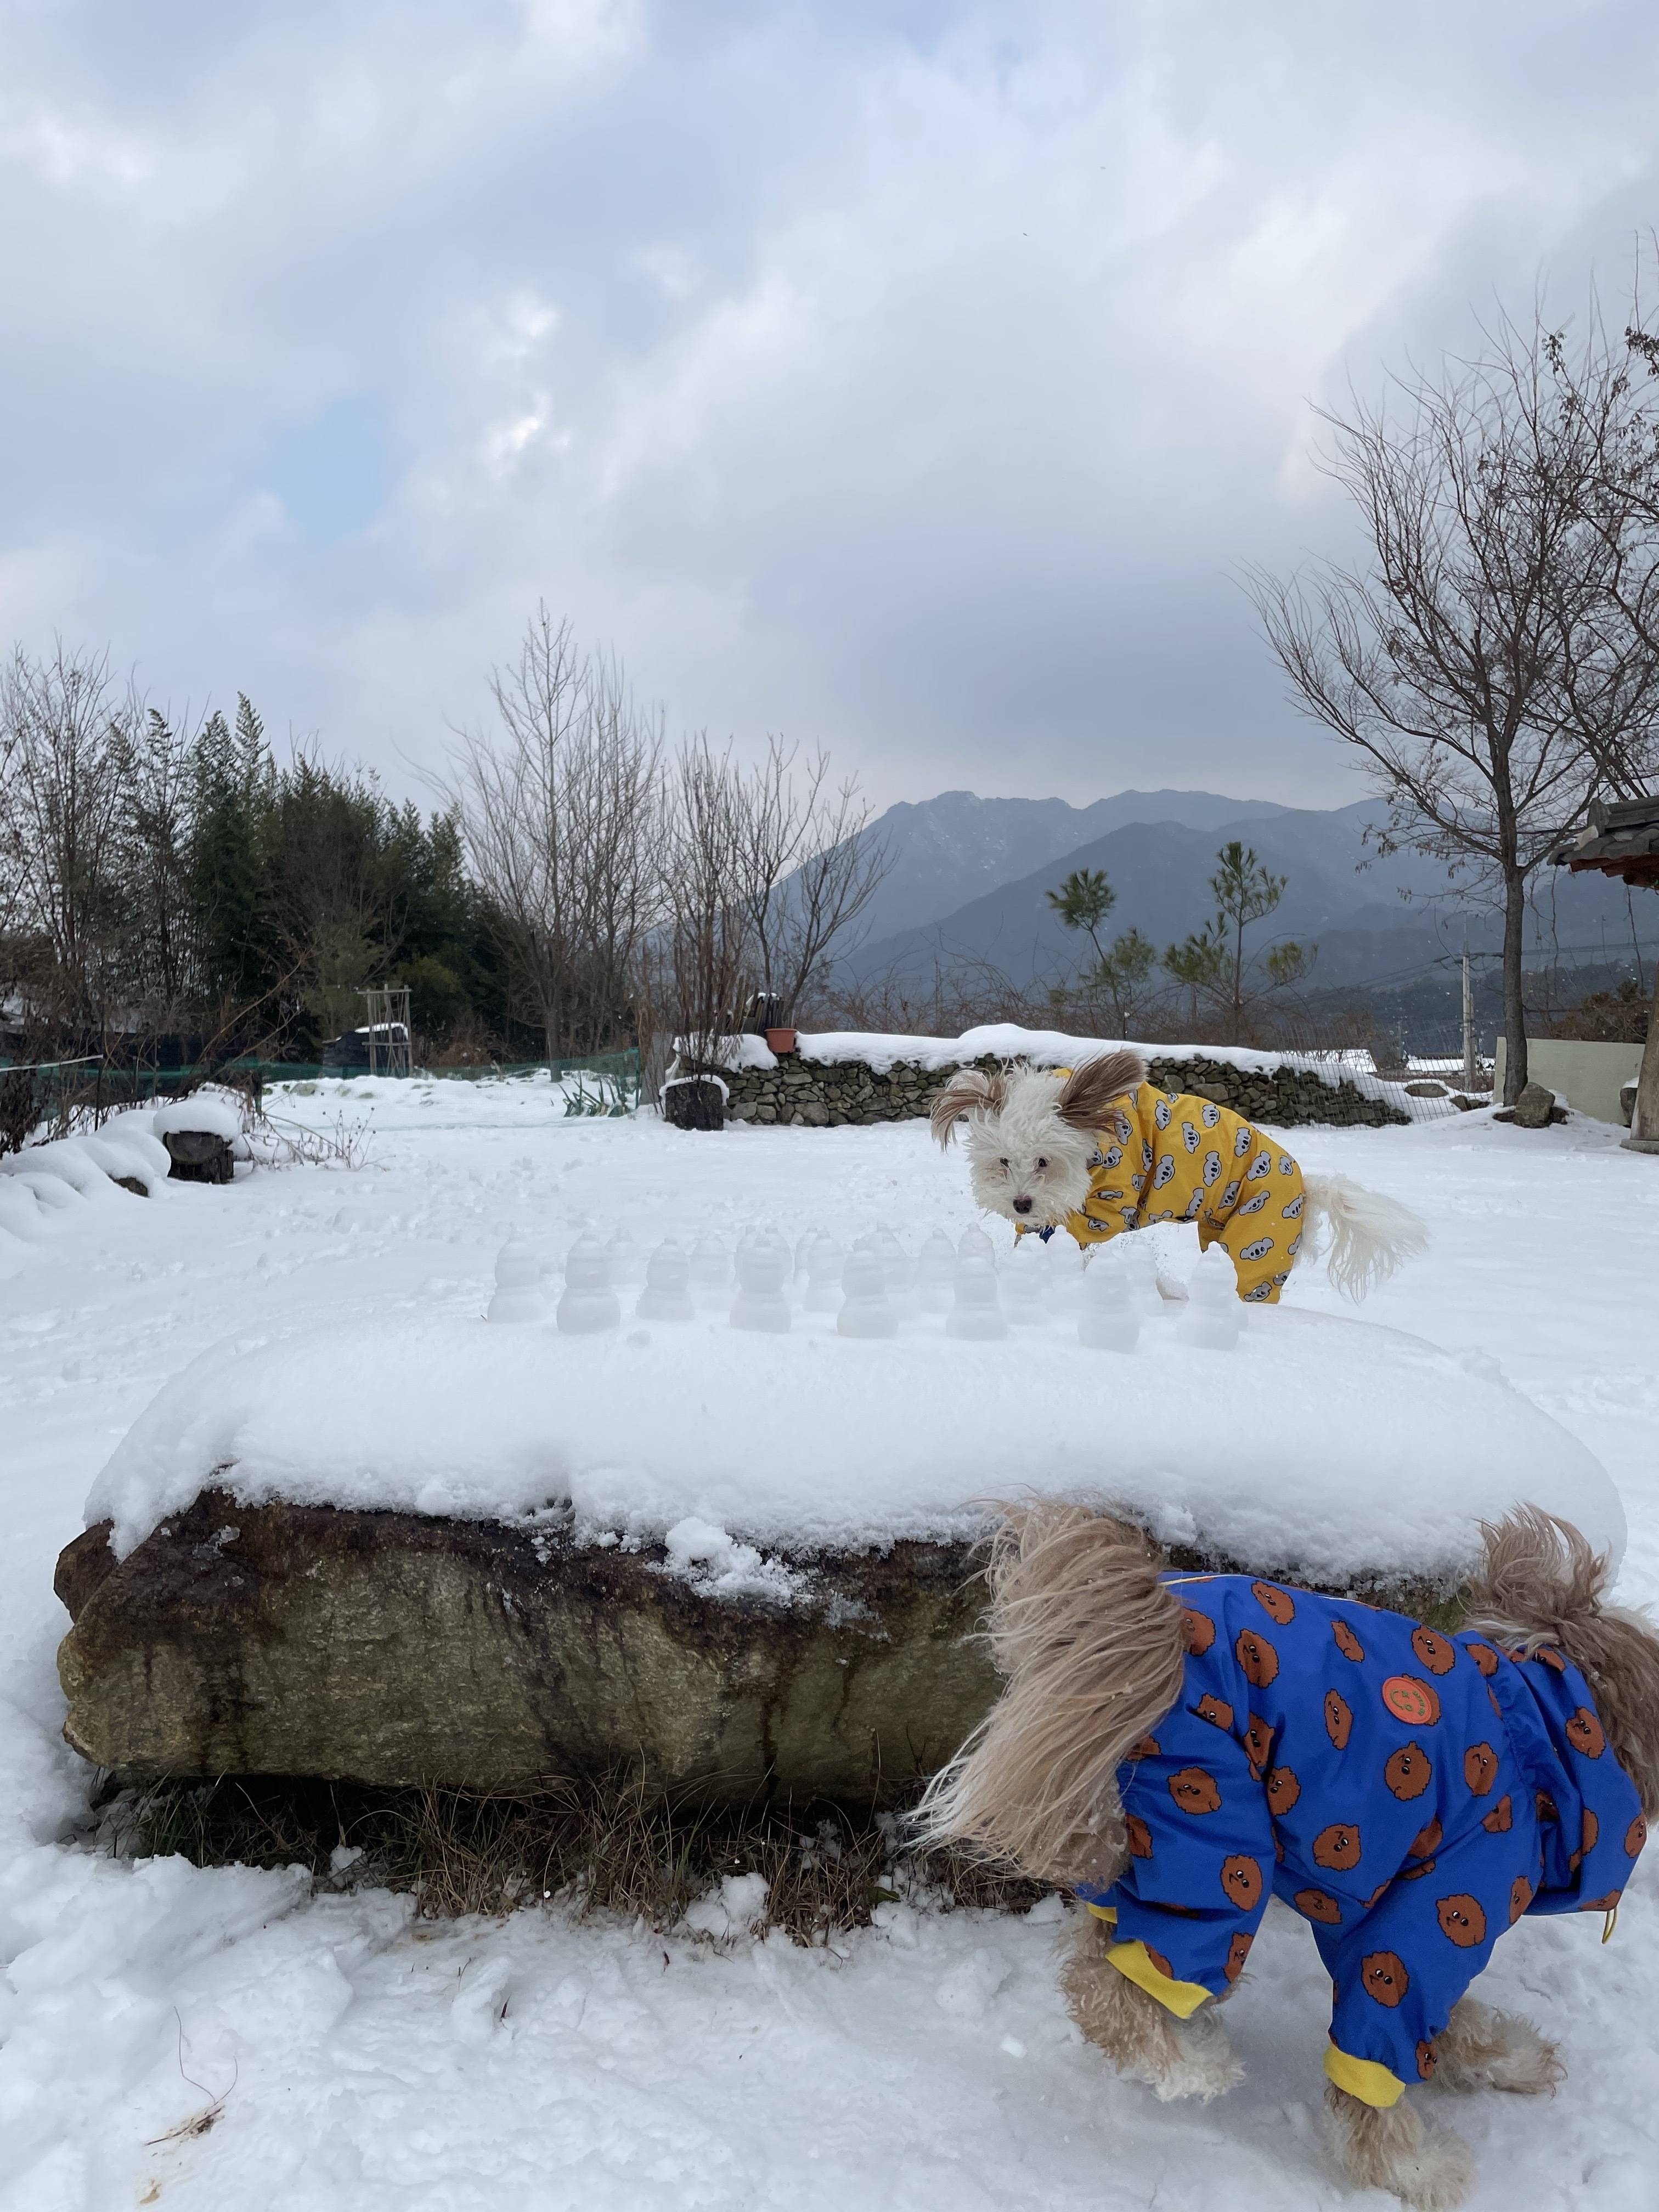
<point x="697" y="963"/>
<point x="805" y="868"/>
<point x="558" y="806"/>
<point x="1482" y="660"/>
<point x="67" y="724"/>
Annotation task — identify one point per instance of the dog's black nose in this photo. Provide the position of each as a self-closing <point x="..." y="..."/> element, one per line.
<point x="1021" y="1205"/>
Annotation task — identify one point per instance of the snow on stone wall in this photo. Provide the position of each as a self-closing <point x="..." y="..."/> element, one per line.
<point x="837" y="1076"/>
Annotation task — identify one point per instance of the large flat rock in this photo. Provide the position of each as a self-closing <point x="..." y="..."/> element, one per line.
<point x="400" y="1648"/>
<point x="438" y="1550"/>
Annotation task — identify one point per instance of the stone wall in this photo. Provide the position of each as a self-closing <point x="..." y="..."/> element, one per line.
<point x="818" y="1094"/>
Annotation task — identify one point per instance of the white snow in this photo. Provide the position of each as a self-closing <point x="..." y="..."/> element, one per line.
<point x="1043" y="1048"/>
<point x="42" y="1180"/>
<point x="923" y="2063"/>
<point x="1320" y="1444"/>
<point x="205" y="1112"/>
<point x="733" y="1052"/>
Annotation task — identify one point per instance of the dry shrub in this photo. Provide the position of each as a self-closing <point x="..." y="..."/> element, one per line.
<point x="612" y="1846"/>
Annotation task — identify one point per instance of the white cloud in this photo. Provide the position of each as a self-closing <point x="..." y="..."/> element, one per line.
<point x="919" y="393"/>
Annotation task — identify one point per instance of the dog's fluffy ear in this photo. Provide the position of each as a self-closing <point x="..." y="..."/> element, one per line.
<point x="969" y="1091"/>
<point x="1086" y="1094"/>
<point x="1541" y="1581"/>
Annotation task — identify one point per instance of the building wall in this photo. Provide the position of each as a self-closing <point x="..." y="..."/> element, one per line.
<point x="1586" y="1075"/>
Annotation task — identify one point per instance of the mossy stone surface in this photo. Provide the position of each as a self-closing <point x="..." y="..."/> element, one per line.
<point x="389" y="1648"/>
<point x="393" y="1649"/>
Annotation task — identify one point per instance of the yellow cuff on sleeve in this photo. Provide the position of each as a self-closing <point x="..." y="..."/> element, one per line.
<point x="1363" y="2078"/>
<point x="1181" y="1998"/>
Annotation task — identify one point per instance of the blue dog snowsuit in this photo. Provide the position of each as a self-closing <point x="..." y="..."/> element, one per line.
<point x="1411" y="1794"/>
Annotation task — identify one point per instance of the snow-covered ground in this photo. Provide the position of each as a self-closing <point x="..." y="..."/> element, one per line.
<point x="368" y="2064"/>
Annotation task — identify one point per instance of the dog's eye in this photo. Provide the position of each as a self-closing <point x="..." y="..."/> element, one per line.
<point x="1002" y="1164"/>
<point x="1041" y="1165"/>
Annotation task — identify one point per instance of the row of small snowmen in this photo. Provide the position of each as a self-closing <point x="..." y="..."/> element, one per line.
<point x="872" y="1285"/>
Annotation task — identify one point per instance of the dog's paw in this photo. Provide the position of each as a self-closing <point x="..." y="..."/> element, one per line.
<point x="1437" y="2176"/>
<point x="1388" y="2146"/>
<point x="1482" y="2048"/>
<point x="1531" y="2067"/>
<point x="1204" y="2064"/>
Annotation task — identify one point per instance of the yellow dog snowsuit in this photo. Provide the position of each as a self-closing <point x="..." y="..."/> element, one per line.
<point x="1169" y="1158"/>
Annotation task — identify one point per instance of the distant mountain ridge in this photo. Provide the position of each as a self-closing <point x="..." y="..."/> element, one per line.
<point x="951" y="849"/>
<point x="1373" y="918"/>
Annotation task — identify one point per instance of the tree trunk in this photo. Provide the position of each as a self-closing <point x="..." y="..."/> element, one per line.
<point x="1645" y="1122"/>
<point x="1514" y="1018"/>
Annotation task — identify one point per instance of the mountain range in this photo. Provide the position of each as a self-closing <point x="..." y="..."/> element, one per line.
<point x="967" y="881"/>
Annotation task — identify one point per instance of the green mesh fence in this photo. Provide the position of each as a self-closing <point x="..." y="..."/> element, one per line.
<point x="603" y="1082"/>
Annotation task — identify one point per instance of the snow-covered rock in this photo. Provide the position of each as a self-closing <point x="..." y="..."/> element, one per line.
<point x="123" y="1155"/>
<point x="207" y="1113"/>
<point x="1324" y="1448"/>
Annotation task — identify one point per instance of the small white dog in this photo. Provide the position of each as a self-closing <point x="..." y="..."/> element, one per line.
<point x="1101" y="1150"/>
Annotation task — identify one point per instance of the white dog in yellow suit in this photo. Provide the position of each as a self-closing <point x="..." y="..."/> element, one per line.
<point x="1101" y="1150"/>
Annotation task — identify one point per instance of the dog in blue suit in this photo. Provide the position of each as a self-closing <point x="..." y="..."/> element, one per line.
<point x="1176" y="1749"/>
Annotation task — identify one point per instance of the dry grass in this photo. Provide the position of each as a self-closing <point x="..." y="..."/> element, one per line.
<point x="607" y="1847"/>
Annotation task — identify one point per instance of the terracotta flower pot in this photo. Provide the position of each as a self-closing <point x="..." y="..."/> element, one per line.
<point x="780" y="1041"/>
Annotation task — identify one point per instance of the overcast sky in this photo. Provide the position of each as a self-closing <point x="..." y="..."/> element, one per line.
<point x="908" y="377"/>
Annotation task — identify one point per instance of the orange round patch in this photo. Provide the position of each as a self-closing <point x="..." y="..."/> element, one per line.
<point x="1411" y="1699"/>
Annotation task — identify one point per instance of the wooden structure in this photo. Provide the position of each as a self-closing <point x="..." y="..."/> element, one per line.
<point x="1622" y="839"/>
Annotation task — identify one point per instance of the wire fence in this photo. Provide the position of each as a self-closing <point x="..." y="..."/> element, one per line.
<point x="1428" y="1086"/>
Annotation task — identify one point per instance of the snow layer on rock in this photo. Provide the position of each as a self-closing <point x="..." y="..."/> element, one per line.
<point x="733" y="1052"/>
<point x="1321" y="1446"/>
<point x="199" y="1114"/>
<point x="51" y="1176"/>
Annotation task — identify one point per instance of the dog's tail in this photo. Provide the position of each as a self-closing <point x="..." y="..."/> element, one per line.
<point x="1369" y="1234"/>
<point x="1093" y="1648"/>
<point x="1542" y="1584"/>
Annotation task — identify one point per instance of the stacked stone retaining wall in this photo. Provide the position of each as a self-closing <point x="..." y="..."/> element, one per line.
<point x="827" y="1094"/>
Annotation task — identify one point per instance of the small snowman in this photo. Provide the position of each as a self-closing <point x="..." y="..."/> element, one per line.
<point x="1211" y="1319"/>
<point x="1135" y="1258"/>
<point x="975" y="1312"/>
<point x="667" y="1292"/>
<point x="866" y="1309"/>
<point x="518" y="1296"/>
<point x="589" y="1304"/>
<point x="1063" y="1258"/>
<point x="976" y="1243"/>
<point x="898" y="1269"/>
<point x="763" y="1266"/>
<point x="1024" y="1287"/>
<point x="1108" y="1321"/>
<point x="824" y="1273"/>
<point x="936" y="1267"/>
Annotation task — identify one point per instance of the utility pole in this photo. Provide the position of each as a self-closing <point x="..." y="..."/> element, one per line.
<point x="1468" y="1023"/>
